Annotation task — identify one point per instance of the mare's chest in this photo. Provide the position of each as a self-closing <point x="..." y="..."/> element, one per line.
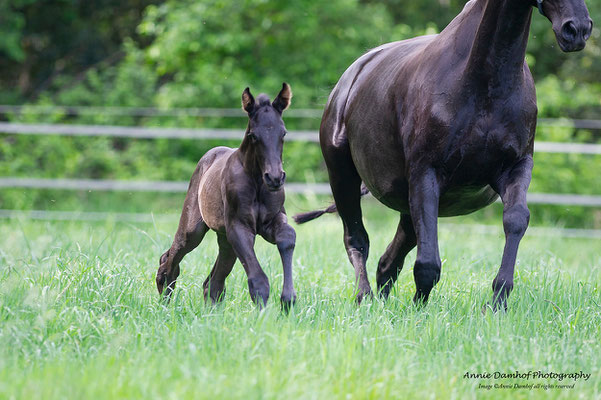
<point x="473" y="142"/>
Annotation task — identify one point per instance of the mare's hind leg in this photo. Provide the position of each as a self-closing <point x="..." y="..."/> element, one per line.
<point x="391" y="263"/>
<point x="190" y="233"/>
<point x="214" y="285"/>
<point x="346" y="188"/>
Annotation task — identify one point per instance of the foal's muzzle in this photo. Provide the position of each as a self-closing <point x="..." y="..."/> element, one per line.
<point x="274" y="182"/>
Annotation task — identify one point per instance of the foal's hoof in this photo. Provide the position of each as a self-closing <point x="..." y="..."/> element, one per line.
<point x="363" y="294"/>
<point x="214" y="298"/>
<point x="287" y="302"/>
<point x="260" y="298"/>
<point x="160" y="282"/>
<point x="494" y="306"/>
<point x="259" y="291"/>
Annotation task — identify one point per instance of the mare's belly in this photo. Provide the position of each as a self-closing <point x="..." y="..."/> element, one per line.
<point x="455" y="201"/>
<point x="465" y="200"/>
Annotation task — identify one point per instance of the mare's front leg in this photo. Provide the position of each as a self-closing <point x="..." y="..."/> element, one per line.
<point x="424" y="196"/>
<point x="284" y="236"/>
<point x="512" y="187"/>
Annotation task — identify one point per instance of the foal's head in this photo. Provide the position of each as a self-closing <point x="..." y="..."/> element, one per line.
<point x="571" y="22"/>
<point x="264" y="138"/>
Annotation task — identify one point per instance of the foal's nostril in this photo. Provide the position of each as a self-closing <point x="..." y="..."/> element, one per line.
<point x="274" y="182"/>
<point x="569" y="31"/>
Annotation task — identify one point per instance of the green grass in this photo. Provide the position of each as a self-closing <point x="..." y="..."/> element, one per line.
<point x="80" y="318"/>
<point x="171" y="203"/>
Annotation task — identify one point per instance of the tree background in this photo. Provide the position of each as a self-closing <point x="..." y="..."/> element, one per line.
<point x="188" y="53"/>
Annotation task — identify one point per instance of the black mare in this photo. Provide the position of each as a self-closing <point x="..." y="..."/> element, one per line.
<point x="441" y="125"/>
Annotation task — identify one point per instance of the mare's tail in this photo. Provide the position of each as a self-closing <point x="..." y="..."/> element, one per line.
<point x="311" y="215"/>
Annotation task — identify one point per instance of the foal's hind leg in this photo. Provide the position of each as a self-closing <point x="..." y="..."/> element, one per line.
<point x="346" y="188"/>
<point x="391" y="263"/>
<point x="214" y="285"/>
<point x="190" y="233"/>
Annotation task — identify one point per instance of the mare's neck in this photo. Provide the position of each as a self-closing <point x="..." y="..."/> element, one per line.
<point x="497" y="54"/>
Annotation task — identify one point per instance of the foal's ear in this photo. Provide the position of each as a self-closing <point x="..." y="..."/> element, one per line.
<point x="283" y="100"/>
<point x="248" y="101"/>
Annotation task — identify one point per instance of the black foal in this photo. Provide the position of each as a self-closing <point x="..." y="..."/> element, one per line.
<point x="238" y="193"/>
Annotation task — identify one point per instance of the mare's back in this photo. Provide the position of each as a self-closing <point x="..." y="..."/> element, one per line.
<point x="388" y="57"/>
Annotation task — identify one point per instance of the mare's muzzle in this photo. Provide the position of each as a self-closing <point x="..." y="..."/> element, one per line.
<point x="574" y="34"/>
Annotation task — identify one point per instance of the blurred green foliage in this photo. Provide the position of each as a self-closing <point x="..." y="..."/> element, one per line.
<point x="189" y="53"/>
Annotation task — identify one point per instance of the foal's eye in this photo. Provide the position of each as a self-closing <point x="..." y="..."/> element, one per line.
<point x="252" y="137"/>
<point x="284" y="133"/>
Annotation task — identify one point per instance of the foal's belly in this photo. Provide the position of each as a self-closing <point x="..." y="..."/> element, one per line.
<point x="210" y="199"/>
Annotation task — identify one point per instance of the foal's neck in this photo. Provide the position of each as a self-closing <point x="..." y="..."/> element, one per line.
<point x="249" y="160"/>
<point x="498" y="51"/>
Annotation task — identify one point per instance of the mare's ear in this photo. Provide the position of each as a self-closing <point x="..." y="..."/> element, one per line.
<point x="282" y="101"/>
<point x="248" y="101"/>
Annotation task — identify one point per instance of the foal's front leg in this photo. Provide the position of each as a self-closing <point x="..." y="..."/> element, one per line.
<point x="512" y="188"/>
<point x="284" y="236"/>
<point x="242" y="239"/>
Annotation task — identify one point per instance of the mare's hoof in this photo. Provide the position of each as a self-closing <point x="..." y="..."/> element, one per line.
<point x="420" y="299"/>
<point x="384" y="291"/>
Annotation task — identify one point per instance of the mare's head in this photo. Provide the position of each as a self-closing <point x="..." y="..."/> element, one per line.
<point x="572" y="23"/>
<point x="264" y="137"/>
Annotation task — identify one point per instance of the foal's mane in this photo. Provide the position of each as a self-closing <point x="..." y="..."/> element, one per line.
<point x="263" y="100"/>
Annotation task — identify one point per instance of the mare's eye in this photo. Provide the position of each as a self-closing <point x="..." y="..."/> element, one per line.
<point x="284" y="134"/>
<point x="252" y="137"/>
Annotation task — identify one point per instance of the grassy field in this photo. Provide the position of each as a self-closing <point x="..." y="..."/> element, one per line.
<point x="80" y="318"/>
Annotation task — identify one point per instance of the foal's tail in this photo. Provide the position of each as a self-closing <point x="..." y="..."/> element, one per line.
<point x="311" y="215"/>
